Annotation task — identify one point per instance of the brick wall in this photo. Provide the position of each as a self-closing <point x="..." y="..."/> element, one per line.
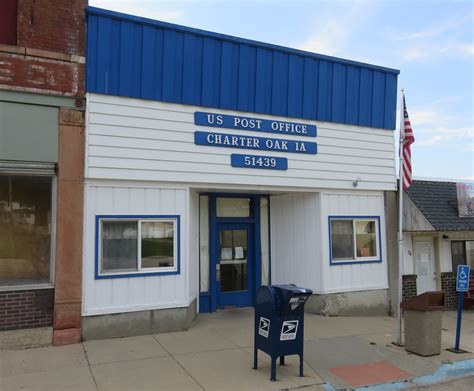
<point x="26" y="309"/>
<point x="408" y="286"/>
<point x="448" y="286"/>
<point x="54" y="25"/>
<point x="49" y="55"/>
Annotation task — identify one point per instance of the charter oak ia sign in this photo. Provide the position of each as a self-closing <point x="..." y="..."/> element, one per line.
<point x="243" y="141"/>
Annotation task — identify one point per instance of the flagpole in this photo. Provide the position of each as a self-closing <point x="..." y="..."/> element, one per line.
<point x="400" y="225"/>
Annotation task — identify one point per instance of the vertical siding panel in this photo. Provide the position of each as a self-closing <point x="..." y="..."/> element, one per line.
<point x="390" y="101"/>
<point x="246" y="90"/>
<point x="103" y="54"/>
<point x="126" y="59"/>
<point x="192" y="70"/>
<point x="352" y="95"/>
<point x="310" y="88"/>
<point x="280" y="84"/>
<point x="148" y="62"/>
<point x="339" y="93"/>
<point x="137" y="63"/>
<point x="378" y="102"/>
<point x="114" y="65"/>
<point x="325" y="90"/>
<point x="172" y="66"/>
<point x="295" y="87"/>
<point x="365" y="100"/>
<point x="211" y="72"/>
<point x="229" y="75"/>
<point x="92" y="38"/>
<point x="158" y="79"/>
<point x="263" y="82"/>
<point x="131" y="58"/>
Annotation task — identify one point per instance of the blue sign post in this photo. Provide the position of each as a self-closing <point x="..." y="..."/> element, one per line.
<point x="462" y="285"/>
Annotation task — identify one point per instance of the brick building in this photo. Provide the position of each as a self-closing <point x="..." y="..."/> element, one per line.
<point x="438" y="237"/>
<point x="42" y="60"/>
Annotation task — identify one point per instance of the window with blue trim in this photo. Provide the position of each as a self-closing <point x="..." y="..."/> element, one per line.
<point x="137" y="245"/>
<point x="354" y="239"/>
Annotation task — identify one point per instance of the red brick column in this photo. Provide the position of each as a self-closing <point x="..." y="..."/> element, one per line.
<point x="70" y="206"/>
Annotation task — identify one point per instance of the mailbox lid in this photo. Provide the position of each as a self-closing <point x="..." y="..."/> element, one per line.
<point x="291" y="297"/>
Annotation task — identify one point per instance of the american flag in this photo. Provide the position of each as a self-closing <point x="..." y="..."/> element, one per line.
<point x="406" y="133"/>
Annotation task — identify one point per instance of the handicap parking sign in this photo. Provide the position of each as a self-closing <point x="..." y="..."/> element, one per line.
<point x="462" y="282"/>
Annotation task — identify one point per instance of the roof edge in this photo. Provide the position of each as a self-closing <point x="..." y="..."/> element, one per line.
<point x="210" y="34"/>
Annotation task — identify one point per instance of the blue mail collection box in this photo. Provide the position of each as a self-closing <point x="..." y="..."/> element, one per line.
<point x="279" y="323"/>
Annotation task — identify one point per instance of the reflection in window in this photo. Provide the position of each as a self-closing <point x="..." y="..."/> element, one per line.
<point x="342" y="239"/>
<point x="462" y="253"/>
<point x="138" y="245"/>
<point x="354" y="239"/>
<point x="233" y="207"/>
<point x="25" y="229"/>
<point x="119" y="246"/>
<point x="157" y="244"/>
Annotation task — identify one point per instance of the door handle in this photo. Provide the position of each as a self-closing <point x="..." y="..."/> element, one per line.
<point x="218" y="272"/>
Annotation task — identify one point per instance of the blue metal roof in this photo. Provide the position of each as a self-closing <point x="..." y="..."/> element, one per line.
<point x="147" y="59"/>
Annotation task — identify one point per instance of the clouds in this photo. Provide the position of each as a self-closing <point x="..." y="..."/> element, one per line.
<point x="444" y="38"/>
<point x="333" y="27"/>
<point x="436" y="126"/>
<point x="153" y="9"/>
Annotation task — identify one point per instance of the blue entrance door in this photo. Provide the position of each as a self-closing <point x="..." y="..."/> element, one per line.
<point x="235" y="265"/>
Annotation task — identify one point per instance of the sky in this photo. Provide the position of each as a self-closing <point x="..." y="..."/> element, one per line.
<point x="431" y="43"/>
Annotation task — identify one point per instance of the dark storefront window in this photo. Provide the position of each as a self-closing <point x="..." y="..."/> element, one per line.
<point x="25" y="229"/>
<point x="462" y="253"/>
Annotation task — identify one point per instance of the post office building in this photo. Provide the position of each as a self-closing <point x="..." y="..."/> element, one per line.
<point x="216" y="164"/>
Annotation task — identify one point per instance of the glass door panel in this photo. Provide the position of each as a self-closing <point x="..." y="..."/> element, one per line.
<point x="234" y="265"/>
<point x="233" y="260"/>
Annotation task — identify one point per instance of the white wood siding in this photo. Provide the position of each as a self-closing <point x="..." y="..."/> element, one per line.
<point x="135" y="139"/>
<point x="353" y="277"/>
<point x="193" y="275"/>
<point x="296" y="255"/>
<point x="105" y="296"/>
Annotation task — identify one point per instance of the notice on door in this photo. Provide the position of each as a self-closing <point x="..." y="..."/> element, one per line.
<point x="264" y="327"/>
<point x="289" y="329"/>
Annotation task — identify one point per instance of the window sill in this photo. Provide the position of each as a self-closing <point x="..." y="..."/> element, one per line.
<point x="132" y="275"/>
<point x="30" y="287"/>
<point x="354" y="261"/>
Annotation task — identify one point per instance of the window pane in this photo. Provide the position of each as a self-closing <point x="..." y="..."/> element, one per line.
<point x="157" y="244"/>
<point x="25" y="229"/>
<point x="470" y="254"/>
<point x="233" y="207"/>
<point x="342" y="237"/>
<point x="119" y="246"/>
<point x="365" y="239"/>
<point x="458" y="254"/>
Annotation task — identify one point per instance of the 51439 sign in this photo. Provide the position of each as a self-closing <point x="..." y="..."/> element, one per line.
<point x="256" y="161"/>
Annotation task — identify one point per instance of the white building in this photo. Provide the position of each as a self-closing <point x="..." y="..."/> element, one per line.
<point x="215" y="165"/>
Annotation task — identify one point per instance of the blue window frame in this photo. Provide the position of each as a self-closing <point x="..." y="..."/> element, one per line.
<point x="136" y="245"/>
<point x="354" y="239"/>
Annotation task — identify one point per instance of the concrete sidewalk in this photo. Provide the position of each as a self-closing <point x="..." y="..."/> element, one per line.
<point x="216" y="354"/>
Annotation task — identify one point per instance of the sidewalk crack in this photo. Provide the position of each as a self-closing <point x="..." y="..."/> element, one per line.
<point x="177" y="362"/>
